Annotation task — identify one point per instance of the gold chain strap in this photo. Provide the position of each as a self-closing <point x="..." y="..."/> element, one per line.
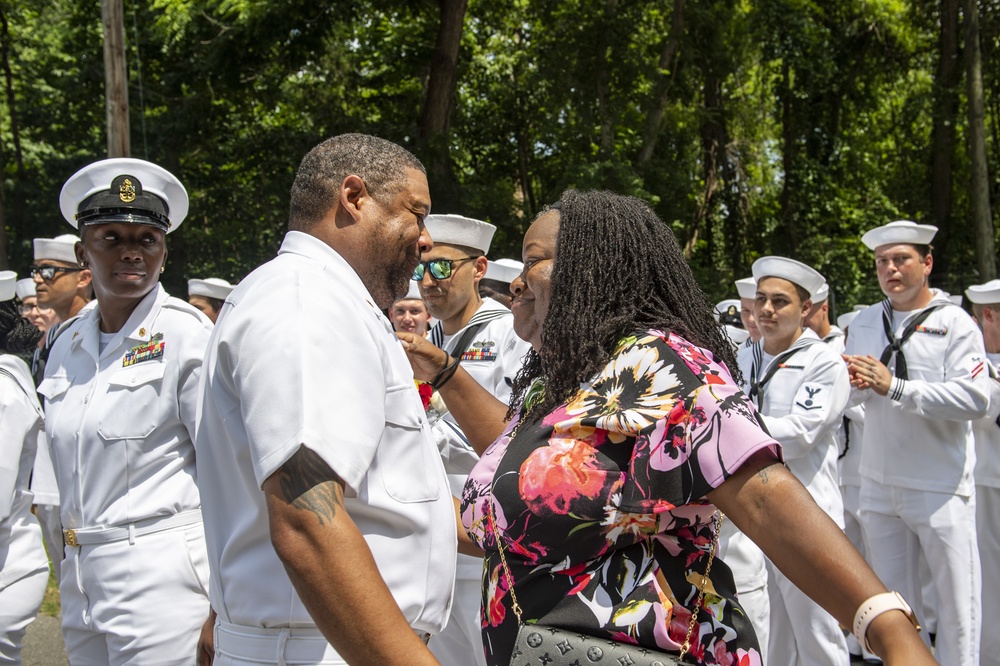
<point x="686" y="647"/>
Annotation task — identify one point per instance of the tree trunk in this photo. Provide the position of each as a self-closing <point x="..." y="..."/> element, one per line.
<point x="115" y="78"/>
<point x="789" y="149"/>
<point x="661" y="91"/>
<point x="435" y="117"/>
<point x="982" y="219"/>
<point x="943" y="133"/>
<point x="9" y="85"/>
<point x="606" y="142"/>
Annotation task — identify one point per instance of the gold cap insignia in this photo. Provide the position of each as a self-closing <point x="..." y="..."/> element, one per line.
<point x="126" y="191"/>
<point x="142" y="332"/>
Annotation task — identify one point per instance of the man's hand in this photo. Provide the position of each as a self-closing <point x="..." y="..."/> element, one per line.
<point x="206" y="641"/>
<point x="427" y="359"/>
<point x="867" y="372"/>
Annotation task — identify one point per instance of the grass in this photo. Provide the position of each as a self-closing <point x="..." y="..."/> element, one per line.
<point x="50" y="603"/>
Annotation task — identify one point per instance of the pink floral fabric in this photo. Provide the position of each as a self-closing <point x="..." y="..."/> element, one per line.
<point x="602" y="512"/>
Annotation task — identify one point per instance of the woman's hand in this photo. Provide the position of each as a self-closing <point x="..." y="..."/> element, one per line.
<point x="427" y="359"/>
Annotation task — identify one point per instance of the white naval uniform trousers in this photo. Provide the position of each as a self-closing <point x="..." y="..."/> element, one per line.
<point x="802" y="406"/>
<point x="917" y="460"/>
<point x="120" y="423"/>
<point x="24" y="569"/>
<point x="329" y="374"/>
<point x="987" y="433"/>
<point x="493" y="358"/>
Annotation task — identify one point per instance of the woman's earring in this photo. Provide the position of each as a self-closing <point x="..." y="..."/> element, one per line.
<point x="163" y="268"/>
<point x="83" y="264"/>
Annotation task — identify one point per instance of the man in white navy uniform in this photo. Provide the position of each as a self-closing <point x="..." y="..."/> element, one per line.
<point x="499" y="275"/>
<point x="120" y="390"/>
<point x="727" y="313"/>
<point x="800" y="386"/>
<point x="818" y="320"/>
<point x="408" y="313"/>
<point x="330" y="527"/>
<point x="747" y="290"/>
<point x="918" y="364"/>
<point x="208" y="295"/>
<point x="480" y="334"/>
<point x="63" y="286"/>
<point x="985" y="300"/>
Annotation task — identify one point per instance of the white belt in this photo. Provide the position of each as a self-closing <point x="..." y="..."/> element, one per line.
<point x="288" y="645"/>
<point x="89" y="536"/>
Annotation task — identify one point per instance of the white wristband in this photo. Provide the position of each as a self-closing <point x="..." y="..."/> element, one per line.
<point x="875" y="606"/>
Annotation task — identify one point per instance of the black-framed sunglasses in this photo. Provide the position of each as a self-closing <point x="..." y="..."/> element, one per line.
<point x="49" y="272"/>
<point x="440" y="269"/>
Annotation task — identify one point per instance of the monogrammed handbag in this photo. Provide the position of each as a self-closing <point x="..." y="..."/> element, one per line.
<point x="541" y="645"/>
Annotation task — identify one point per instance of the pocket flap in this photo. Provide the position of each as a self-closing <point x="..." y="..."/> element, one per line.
<point x="403" y="406"/>
<point x="55" y="386"/>
<point x="137" y="375"/>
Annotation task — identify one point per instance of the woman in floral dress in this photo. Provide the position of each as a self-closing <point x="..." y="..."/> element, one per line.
<point x="626" y="431"/>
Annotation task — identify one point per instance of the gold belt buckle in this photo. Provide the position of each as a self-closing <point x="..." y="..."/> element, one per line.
<point x="69" y="538"/>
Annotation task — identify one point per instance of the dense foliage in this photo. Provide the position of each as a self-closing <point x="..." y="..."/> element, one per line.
<point x="784" y="126"/>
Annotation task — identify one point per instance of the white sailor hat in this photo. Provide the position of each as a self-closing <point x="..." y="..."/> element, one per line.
<point x="984" y="294"/>
<point x="900" y="231"/>
<point x="210" y="288"/>
<point x="728" y="312"/>
<point x="822" y="293"/>
<point x="8" y="282"/>
<point x="124" y="190"/>
<point x="844" y="320"/>
<point x="25" y="288"/>
<point x="737" y="335"/>
<point x="60" y="248"/>
<point x="458" y="230"/>
<point x="791" y="270"/>
<point x="747" y="288"/>
<point x="503" y="270"/>
<point x="412" y="293"/>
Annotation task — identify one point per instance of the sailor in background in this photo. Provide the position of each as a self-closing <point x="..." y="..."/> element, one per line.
<point x="818" y="320"/>
<point x="747" y="289"/>
<point x="499" y="275"/>
<point x="208" y="295"/>
<point x="43" y="317"/>
<point x="800" y="386"/>
<point x="24" y="569"/>
<point x="985" y="300"/>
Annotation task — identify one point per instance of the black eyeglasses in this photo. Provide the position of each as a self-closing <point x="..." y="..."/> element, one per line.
<point x="49" y="272"/>
<point x="441" y="269"/>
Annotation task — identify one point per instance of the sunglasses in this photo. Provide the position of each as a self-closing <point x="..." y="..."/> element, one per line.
<point x="440" y="269"/>
<point x="49" y="272"/>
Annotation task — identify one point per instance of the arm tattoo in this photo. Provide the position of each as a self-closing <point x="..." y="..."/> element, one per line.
<point x="308" y="483"/>
<point x="762" y="475"/>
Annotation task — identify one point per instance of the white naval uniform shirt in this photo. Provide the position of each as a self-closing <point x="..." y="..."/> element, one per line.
<point x="21" y="552"/>
<point x="919" y="436"/>
<point x="802" y="408"/>
<point x="302" y="356"/>
<point x="493" y="358"/>
<point x="120" y="422"/>
<point x="835" y="339"/>
<point x="987" y="433"/>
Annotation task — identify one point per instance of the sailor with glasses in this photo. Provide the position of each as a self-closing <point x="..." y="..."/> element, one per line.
<point x="44" y="318"/>
<point x="479" y="333"/>
<point x="63" y="287"/>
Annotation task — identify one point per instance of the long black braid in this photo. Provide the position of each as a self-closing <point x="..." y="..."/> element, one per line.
<point x="17" y="334"/>
<point x="618" y="269"/>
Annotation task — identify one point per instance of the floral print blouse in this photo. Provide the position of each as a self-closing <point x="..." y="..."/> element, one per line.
<point x="602" y="512"/>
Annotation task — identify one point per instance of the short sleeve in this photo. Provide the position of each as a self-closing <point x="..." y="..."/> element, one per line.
<point x="707" y="430"/>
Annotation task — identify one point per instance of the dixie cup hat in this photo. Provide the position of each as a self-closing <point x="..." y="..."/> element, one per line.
<point x="747" y="288"/>
<point x="61" y="248"/>
<point x="900" y="231"/>
<point x="459" y="230"/>
<point x="794" y="271"/>
<point x="210" y="288"/>
<point x="503" y="270"/>
<point x="25" y="288"/>
<point x="984" y="294"/>
<point x="8" y="285"/>
<point x="124" y="190"/>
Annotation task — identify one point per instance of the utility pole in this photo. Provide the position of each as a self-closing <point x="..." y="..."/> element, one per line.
<point x="115" y="78"/>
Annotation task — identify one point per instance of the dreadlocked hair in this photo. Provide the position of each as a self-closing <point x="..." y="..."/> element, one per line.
<point x="17" y="334"/>
<point x="618" y="269"/>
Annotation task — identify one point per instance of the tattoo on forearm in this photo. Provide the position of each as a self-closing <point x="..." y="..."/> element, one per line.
<point x="762" y="475"/>
<point x="308" y="483"/>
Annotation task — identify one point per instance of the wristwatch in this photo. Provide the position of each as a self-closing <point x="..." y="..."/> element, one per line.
<point x="875" y="606"/>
